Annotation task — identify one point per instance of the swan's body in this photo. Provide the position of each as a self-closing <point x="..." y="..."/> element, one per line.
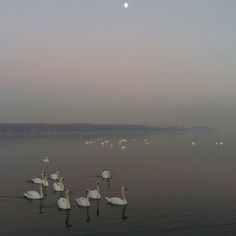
<point x="59" y="186"/>
<point x="55" y="176"/>
<point x="46" y="160"/>
<point x="106" y="174"/>
<point x="42" y="181"/>
<point x="64" y="202"/>
<point x="34" y="194"/>
<point x="95" y="194"/>
<point x="83" y="201"/>
<point x="118" y="201"/>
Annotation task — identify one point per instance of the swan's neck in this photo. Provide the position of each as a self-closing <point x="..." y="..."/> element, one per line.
<point x="123" y="195"/>
<point x="98" y="188"/>
<point x="45" y="178"/>
<point x="41" y="191"/>
<point x="87" y="195"/>
<point x="57" y="173"/>
<point x="67" y="197"/>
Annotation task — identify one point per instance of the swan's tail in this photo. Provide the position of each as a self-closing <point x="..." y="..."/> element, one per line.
<point x="108" y="199"/>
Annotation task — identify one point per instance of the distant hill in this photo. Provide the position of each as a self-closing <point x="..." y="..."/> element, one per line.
<point x="43" y="129"/>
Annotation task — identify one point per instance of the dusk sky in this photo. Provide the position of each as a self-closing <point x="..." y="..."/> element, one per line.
<point x="158" y="62"/>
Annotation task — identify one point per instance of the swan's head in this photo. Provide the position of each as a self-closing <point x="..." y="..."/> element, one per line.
<point x="68" y="191"/>
<point x="124" y="188"/>
<point x="97" y="183"/>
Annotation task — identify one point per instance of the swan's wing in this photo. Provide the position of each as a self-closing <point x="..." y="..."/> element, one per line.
<point x="82" y="201"/>
<point x="37" y="181"/>
<point x="116" y="201"/>
<point x="62" y="203"/>
<point x="94" y="194"/>
<point x="32" y="195"/>
<point x="54" y="177"/>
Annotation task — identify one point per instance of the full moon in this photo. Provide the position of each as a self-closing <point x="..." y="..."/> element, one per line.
<point x="126" y="5"/>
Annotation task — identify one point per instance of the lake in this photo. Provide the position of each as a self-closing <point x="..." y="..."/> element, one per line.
<point x="174" y="187"/>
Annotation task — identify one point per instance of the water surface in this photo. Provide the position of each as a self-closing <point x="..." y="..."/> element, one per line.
<point x="174" y="188"/>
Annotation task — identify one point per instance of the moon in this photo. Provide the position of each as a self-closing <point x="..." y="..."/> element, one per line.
<point x="126" y="5"/>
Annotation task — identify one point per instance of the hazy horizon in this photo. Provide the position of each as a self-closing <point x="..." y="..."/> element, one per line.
<point x="159" y="62"/>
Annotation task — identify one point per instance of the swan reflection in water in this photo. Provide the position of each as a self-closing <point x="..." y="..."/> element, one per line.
<point x="98" y="203"/>
<point x="67" y="224"/>
<point x="88" y="216"/>
<point x="123" y="216"/>
<point x="41" y="206"/>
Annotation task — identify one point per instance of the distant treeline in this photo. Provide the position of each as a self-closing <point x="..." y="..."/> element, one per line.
<point x="28" y="129"/>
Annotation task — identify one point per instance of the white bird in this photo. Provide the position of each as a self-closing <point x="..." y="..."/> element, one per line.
<point x="64" y="202"/>
<point x="106" y="174"/>
<point x="55" y="176"/>
<point x="38" y="180"/>
<point x="46" y="160"/>
<point x="123" y="147"/>
<point x="42" y="181"/>
<point x="117" y="200"/>
<point x="59" y="186"/>
<point x="34" y="194"/>
<point x="193" y="143"/>
<point x="83" y="201"/>
<point x="95" y="194"/>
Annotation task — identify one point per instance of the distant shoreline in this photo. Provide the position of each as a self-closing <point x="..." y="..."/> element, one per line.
<point x="44" y="129"/>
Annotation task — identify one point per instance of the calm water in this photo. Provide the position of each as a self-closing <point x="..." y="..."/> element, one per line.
<point x="174" y="188"/>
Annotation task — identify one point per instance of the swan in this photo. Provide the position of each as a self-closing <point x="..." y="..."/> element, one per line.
<point x="95" y="194"/>
<point x="46" y="160"/>
<point x="59" y="186"/>
<point x="106" y="174"/>
<point x="82" y="201"/>
<point x="38" y="180"/>
<point x="117" y="200"/>
<point x="55" y="176"/>
<point x="123" y="147"/>
<point x="64" y="202"/>
<point x="34" y="194"/>
<point x="41" y="181"/>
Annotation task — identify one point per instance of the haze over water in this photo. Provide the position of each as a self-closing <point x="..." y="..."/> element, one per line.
<point x="162" y="63"/>
<point x="157" y="62"/>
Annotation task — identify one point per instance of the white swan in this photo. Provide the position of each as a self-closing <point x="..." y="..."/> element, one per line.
<point x="64" y="202"/>
<point x="34" y="194"/>
<point x="83" y="201"/>
<point x="117" y="200"/>
<point x="55" y="176"/>
<point x="41" y="181"/>
<point x="46" y="160"/>
<point x="59" y="186"/>
<point x="106" y="174"/>
<point x="95" y="194"/>
<point x="38" y="180"/>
